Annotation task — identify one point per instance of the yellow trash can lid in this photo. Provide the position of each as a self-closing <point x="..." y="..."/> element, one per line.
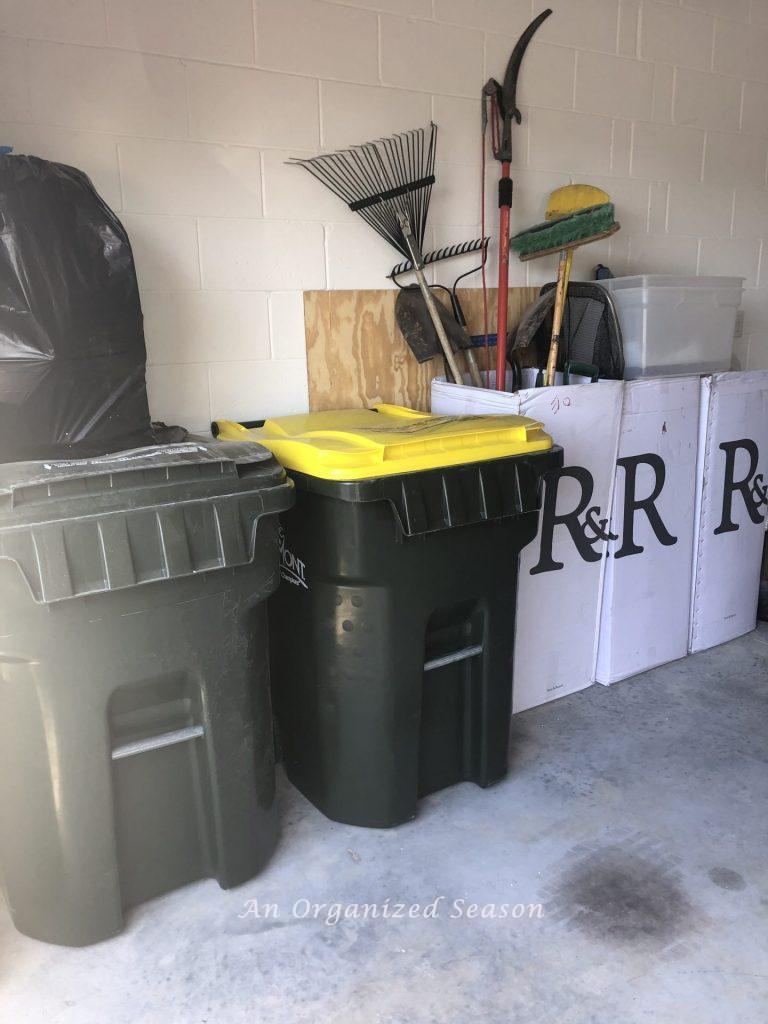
<point x="358" y="444"/>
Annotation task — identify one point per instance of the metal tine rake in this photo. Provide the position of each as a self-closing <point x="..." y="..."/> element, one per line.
<point x="446" y="253"/>
<point x="388" y="182"/>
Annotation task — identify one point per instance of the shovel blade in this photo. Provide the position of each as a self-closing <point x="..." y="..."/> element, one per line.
<point x="417" y="328"/>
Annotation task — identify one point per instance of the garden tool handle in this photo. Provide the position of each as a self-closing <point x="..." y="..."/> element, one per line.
<point x="582" y="369"/>
<point x="469" y="352"/>
<point x="563" y="276"/>
<point x="429" y="299"/>
<point x="474" y="369"/>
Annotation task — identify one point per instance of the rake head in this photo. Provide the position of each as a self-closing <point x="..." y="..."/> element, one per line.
<point x="438" y="255"/>
<point x="383" y="180"/>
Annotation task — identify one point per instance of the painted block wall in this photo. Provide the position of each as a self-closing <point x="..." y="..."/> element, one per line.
<point x="184" y="111"/>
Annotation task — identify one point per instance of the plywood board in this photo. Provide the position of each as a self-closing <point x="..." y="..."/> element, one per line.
<point x="356" y="356"/>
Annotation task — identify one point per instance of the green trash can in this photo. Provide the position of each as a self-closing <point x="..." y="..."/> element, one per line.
<point x="393" y="631"/>
<point x="135" y="718"/>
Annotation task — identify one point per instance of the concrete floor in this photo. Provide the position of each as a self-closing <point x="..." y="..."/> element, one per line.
<point x="635" y="815"/>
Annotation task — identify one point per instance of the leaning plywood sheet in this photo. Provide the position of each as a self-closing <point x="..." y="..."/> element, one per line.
<point x="356" y="356"/>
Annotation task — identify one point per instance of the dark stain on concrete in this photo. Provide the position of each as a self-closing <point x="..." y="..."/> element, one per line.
<point x="625" y="897"/>
<point x="727" y="878"/>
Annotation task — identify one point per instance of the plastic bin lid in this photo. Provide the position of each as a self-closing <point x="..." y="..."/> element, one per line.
<point x="357" y="444"/>
<point x="669" y="281"/>
<point x="109" y="478"/>
<point x="82" y="527"/>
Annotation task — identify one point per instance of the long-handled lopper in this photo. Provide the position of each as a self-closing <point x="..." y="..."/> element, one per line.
<point x="503" y="111"/>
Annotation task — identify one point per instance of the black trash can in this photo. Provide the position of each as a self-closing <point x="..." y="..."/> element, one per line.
<point x="392" y="634"/>
<point x="135" y="719"/>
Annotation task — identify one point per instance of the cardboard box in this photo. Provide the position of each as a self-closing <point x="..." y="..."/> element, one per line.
<point x="645" y="615"/>
<point x="731" y="505"/>
<point x="561" y="572"/>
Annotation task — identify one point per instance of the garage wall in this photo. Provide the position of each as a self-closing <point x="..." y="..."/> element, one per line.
<point x="184" y="111"/>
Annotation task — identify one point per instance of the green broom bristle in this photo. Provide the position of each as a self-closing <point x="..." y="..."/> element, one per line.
<point x="558" y="234"/>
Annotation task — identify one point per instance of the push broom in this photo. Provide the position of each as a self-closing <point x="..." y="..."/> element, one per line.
<point x="576" y="215"/>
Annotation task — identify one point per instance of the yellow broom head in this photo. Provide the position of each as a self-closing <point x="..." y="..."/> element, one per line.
<point x="573" y="198"/>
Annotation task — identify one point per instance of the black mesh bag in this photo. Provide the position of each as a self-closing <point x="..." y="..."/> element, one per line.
<point x="590" y="335"/>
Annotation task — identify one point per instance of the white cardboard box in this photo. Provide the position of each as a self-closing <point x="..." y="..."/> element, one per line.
<point x="561" y="572"/>
<point x="731" y="505"/>
<point x="645" y="615"/>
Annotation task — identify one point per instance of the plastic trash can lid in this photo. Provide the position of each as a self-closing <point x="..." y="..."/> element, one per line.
<point x="358" y="444"/>
<point x="86" y="526"/>
<point x="115" y="478"/>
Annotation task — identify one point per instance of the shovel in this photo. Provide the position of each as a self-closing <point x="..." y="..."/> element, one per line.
<point x="416" y="326"/>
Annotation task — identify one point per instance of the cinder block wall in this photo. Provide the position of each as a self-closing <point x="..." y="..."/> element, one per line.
<point x="184" y="111"/>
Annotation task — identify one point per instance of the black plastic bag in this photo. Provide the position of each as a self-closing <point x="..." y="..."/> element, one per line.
<point x="72" y="356"/>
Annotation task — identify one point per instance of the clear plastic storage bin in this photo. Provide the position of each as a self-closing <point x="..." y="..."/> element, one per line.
<point x="674" y="324"/>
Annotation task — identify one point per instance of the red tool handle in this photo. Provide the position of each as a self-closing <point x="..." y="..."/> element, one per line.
<point x="505" y="205"/>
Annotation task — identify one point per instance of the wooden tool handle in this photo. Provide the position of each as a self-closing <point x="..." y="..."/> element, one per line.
<point x="474" y="370"/>
<point x="434" y="313"/>
<point x="418" y="268"/>
<point x="563" y="276"/>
